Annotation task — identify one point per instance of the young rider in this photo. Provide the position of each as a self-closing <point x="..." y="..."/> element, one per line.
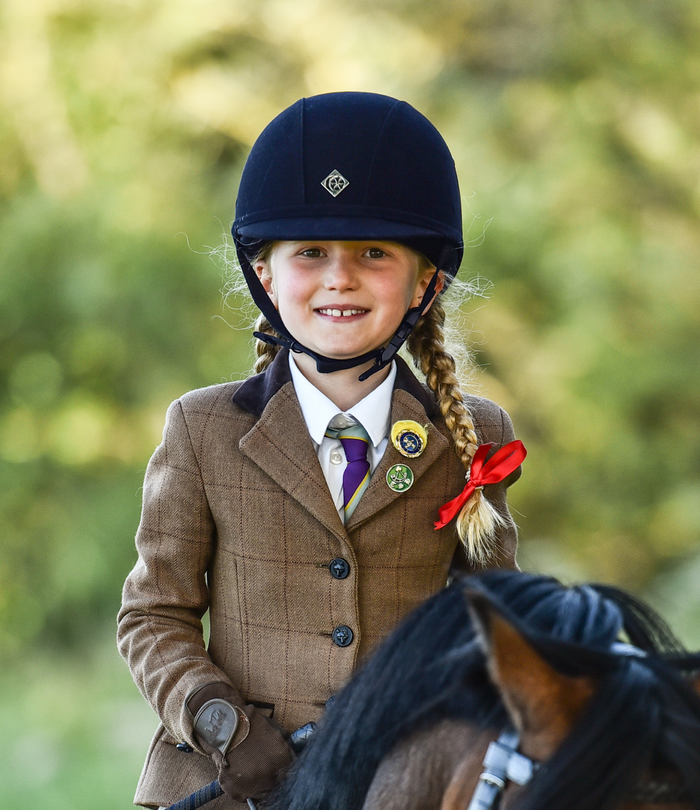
<point x="310" y="507"/>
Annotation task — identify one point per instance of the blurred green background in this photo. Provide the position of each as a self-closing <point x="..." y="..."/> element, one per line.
<point x="123" y="125"/>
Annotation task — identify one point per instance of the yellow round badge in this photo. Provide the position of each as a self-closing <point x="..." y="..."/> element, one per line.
<point x="409" y="438"/>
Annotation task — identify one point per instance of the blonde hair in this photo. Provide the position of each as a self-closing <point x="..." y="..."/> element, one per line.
<point x="265" y="353"/>
<point x="478" y="520"/>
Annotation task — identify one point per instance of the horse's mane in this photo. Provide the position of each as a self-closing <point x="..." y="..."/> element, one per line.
<point x="432" y="667"/>
<point x="644" y="713"/>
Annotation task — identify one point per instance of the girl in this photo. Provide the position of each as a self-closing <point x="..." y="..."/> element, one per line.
<point x="300" y="506"/>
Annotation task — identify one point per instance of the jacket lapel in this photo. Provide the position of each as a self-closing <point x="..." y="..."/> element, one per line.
<point x="280" y="445"/>
<point x="279" y="442"/>
<point x="406" y="404"/>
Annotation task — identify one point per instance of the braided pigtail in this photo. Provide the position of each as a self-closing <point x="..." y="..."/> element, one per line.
<point x="265" y="353"/>
<point x="478" y="520"/>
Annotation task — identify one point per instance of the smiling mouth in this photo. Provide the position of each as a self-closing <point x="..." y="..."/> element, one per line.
<point x="341" y="313"/>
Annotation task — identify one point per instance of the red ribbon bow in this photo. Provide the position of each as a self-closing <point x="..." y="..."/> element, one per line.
<point x="499" y="466"/>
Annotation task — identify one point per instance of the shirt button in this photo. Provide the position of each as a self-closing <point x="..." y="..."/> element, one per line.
<point x="339" y="568"/>
<point x="336" y="457"/>
<point x="342" y="635"/>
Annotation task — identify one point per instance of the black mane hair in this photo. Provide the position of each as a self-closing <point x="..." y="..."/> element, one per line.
<point x="643" y="714"/>
<point x="432" y="667"/>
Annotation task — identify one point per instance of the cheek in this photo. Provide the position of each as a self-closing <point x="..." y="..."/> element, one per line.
<point x="397" y="290"/>
<point x="291" y="293"/>
<point x="412" y="293"/>
<point x="272" y="292"/>
<point x="413" y="283"/>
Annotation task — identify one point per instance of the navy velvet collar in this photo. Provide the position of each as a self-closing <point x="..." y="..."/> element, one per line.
<point x="257" y="391"/>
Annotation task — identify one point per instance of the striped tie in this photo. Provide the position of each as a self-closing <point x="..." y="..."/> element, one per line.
<point x="355" y="443"/>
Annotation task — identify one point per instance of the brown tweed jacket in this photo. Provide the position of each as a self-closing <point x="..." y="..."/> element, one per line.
<point x="238" y="520"/>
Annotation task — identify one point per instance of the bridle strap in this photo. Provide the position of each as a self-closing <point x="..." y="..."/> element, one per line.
<point x="502" y="764"/>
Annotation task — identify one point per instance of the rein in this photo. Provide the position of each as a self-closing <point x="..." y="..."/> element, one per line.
<point x="503" y="764"/>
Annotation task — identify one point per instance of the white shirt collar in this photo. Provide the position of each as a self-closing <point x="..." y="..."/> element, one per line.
<point x="373" y="412"/>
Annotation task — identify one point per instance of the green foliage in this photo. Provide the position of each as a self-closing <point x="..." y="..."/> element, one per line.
<point x="76" y="731"/>
<point x="101" y="330"/>
<point x="575" y="131"/>
<point x="123" y="127"/>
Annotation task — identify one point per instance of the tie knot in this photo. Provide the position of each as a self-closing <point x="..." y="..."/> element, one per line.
<point x="344" y="427"/>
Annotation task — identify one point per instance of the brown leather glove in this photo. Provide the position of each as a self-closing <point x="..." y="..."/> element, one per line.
<point x="256" y="754"/>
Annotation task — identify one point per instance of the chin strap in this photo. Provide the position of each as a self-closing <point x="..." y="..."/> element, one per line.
<point x="327" y="365"/>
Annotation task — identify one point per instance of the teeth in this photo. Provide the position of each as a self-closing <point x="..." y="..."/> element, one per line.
<point x="337" y="313"/>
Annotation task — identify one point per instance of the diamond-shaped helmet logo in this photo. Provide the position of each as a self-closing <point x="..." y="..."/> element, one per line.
<point x="335" y="183"/>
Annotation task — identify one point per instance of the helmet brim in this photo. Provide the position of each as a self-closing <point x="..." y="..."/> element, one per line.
<point x="425" y="240"/>
<point x="334" y="228"/>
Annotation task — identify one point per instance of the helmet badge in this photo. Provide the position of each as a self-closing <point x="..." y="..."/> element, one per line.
<point x="335" y="183"/>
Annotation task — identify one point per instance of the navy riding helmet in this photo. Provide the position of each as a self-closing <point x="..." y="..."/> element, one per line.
<point x="349" y="166"/>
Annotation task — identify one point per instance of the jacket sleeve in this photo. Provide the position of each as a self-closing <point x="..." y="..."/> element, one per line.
<point x="165" y="596"/>
<point x="493" y="425"/>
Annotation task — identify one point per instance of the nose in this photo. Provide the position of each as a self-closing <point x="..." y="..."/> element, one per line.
<point x="341" y="272"/>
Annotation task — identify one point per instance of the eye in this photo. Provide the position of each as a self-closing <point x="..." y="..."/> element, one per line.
<point x="375" y="253"/>
<point x="311" y="253"/>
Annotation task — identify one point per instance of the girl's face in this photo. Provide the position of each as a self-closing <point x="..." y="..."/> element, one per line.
<point x="342" y="299"/>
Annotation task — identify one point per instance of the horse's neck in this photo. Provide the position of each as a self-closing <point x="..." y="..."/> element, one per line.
<point x="432" y="768"/>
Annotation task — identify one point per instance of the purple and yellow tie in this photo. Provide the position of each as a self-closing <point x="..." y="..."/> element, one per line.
<point x="355" y="443"/>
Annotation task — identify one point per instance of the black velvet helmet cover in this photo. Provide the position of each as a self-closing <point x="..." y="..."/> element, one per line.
<point x="349" y="166"/>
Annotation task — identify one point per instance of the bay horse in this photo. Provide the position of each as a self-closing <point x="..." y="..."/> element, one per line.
<point x="582" y="694"/>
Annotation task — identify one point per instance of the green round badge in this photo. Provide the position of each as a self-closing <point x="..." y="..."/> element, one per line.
<point x="399" y="477"/>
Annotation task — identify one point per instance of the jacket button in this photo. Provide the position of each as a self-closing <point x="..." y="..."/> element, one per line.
<point x="342" y="636"/>
<point x="339" y="568"/>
